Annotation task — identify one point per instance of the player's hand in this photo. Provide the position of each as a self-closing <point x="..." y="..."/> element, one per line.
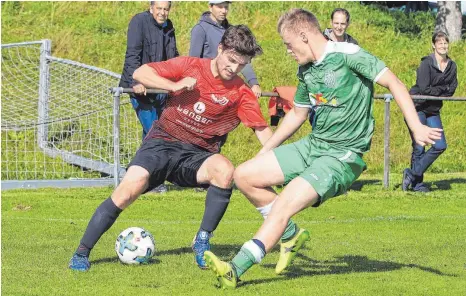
<point x="139" y="89"/>
<point x="424" y="135"/>
<point x="256" y="89"/>
<point x="187" y="83"/>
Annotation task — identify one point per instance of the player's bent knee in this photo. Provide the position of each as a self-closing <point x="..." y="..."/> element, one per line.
<point x="239" y="173"/>
<point x="224" y="179"/>
<point x="242" y="173"/>
<point x="125" y="194"/>
<point x="223" y="173"/>
<point x="132" y="186"/>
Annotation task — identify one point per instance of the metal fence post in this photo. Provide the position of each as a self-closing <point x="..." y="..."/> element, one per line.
<point x="44" y="83"/>
<point x="386" y="141"/>
<point x="116" y="135"/>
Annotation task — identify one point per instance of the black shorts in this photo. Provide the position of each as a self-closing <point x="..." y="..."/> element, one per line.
<point x="176" y="162"/>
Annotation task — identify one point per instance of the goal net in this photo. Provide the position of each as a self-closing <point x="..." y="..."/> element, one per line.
<point x="57" y="117"/>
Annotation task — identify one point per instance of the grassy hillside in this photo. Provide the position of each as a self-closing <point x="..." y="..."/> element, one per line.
<point x="95" y="33"/>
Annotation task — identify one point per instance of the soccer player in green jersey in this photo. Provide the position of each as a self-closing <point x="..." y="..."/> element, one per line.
<point x="336" y="85"/>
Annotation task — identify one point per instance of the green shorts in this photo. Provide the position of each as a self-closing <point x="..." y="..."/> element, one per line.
<point x="330" y="171"/>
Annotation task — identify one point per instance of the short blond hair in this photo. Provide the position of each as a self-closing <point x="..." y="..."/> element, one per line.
<point x="296" y="19"/>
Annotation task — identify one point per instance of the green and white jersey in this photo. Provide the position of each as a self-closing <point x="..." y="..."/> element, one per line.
<point x="339" y="89"/>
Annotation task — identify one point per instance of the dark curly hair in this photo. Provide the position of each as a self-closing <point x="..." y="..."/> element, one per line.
<point x="240" y="39"/>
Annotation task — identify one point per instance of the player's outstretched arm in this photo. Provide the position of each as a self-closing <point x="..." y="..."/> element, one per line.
<point x="422" y="134"/>
<point x="263" y="134"/>
<point x="290" y="124"/>
<point x="150" y="79"/>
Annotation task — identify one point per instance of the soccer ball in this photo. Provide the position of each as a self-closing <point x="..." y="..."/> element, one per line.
<point x="135" y="245"/>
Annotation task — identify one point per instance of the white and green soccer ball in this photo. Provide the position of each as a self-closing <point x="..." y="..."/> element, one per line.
<point x="135" y="245"/>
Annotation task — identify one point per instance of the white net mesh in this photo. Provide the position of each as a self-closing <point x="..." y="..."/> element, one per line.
<point x="72" y="137"/>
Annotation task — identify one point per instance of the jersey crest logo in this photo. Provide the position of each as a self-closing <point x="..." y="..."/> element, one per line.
<point x="199" y="108"/>
<point x="221" y="101"/>
<point x="330" y="79"/>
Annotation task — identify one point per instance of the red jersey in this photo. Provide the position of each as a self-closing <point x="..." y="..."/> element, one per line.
<point x="204" y="115"/>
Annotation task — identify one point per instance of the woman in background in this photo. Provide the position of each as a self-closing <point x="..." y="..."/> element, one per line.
<point x="436" y="76"/>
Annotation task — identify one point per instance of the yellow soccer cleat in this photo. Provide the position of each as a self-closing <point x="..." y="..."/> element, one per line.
<point x="226" y="276"/>
<point x="289" y="249"/>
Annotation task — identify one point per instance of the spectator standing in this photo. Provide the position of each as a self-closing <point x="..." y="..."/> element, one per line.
<point x="150" y="38"/>
<point x="436" y="76"/>
<point x="340" y="20"/>
<point x="206" y="36"/>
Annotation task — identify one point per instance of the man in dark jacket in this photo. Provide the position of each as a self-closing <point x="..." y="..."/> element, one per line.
<point x="436" y="76"/>
<point x="206" y="36"/>
<point x="340" y="20"/>
<point x="151" y="38"/>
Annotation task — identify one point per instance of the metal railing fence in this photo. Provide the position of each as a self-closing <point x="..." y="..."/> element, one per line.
<point x="117" y="91"/>
<point x="60" y="129"/>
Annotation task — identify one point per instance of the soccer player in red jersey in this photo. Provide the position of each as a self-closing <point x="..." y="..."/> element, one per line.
<point x="207" y="100"/>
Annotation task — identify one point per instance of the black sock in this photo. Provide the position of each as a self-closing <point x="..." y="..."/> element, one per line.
<point x="216" y="204"/>
<point x="103" y="218"/>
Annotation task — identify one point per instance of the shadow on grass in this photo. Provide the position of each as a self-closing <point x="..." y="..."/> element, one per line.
<point x="341" y="265"/>
<point x="223" y="251"/>
<point x="117" y="261"/>
<point x="446" y="184"/>
<point x="359" y="184"/>
<point x="440" y="185"/>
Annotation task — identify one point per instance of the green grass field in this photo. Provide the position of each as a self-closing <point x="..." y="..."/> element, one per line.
<point x="369" y="242"/>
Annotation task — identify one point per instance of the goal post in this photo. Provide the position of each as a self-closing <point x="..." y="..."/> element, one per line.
<point x="44" y="79"/>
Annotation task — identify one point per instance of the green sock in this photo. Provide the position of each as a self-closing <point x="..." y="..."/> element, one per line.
<point x="245" y="257"/>
<point x="290" y="231"/>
